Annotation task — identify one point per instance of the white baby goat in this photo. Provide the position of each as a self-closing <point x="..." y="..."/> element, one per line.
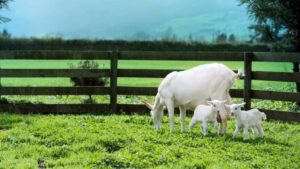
<point x="247" y="119"/>
<point x="207" y="113"/>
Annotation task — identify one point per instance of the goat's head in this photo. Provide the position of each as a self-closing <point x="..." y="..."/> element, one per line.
<point x="235" y="108"/>
<point x="155" y="114"/>
<point x="219" y="106"/>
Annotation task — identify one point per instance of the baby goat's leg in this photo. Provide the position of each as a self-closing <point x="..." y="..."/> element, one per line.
<point x="255" y="131"/>
<point x="204" y="128"/>
<point x="215" y="127"/>
<point x="236" y="131"/>
<point x="260" y="130"/>
<point x="246" y="133"/>
<point x="193" y="123"/>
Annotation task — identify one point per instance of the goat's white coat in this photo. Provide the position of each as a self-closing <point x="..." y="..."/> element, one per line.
<point x="246" y="120"/>
<point x="192" y="87"/>
<point x="206" y="114"/>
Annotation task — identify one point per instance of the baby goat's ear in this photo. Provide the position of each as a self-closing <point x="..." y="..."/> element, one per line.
<point x="209" y="102"/>
<point x="223" y="101"/>
<point x="227" y="105"/>
<point x="242" y="104"/>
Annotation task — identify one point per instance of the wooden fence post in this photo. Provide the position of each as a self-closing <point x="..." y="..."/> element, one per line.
<point x="248" y="57"/>
<point x="113" y="81"/>
<point x="296" y="69"/>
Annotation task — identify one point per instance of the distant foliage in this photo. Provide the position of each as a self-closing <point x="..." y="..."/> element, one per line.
<point x="4" y="4"/>
<point x="231" y="38"/>
<point x="5" y="34"/>
<point x="276" y="21"/>
<point x="221" y="38"/>
<point x="122" y="45"/>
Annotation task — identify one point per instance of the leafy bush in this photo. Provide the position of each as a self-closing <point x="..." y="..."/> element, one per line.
<point x="84" y="81"/>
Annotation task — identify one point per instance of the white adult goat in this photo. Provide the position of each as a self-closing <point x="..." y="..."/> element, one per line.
<point x="247" y="119"/>
<point x="190" y="88"/>
<point x="207" y="114"/>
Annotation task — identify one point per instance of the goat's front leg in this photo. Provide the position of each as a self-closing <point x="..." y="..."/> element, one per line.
<point x="193" y="123"/>
<point x="255" y="132"/>
<point x="170" y="107"/>
<point x="246" y="133"/>
<point x="223" y="125"/>
<point x="182" y="117"/>
<point x="204" y="128"/>
<point x="236" y="131"/>
<point x="216" y="127"/>
<point x="260" y="130"/>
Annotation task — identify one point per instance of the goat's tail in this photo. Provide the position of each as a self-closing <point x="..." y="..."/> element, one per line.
<point x="264" y="116"/>
<point x="240" y="74"/>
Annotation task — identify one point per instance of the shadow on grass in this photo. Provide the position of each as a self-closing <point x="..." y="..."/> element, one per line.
<point x="256" y="141"/>
<point x="7" y="122"/>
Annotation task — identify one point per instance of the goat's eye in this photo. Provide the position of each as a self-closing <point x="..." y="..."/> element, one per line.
<point x="215" y="106"/>
<point x="235" y="109"/>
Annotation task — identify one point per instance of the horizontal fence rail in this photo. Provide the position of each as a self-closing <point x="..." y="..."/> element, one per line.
<point x="55" y="55"/>
<point x="276" y="57"/>
<point x="271" y="95"/>
<point x="54" y="90"/>
<point x="183" y="56"/>
<point x="113" y="90"/>
<point x="276" y="76"/>
<point x="54" y="108"/>
<point x="54" y="73"/>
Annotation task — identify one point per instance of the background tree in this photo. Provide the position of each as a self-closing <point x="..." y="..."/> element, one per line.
<point x="169" y="35"/>
<point x="275" y="20"/>
<point x="5" y="34"/>
<point x="221" y="38"/>
<point x="231" y="38"/>
<point x="3" y="4"/>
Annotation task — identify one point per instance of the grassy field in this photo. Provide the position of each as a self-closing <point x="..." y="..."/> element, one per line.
<point x="88" y="141"/>
<point x="141" y="82"/>
<point x="280" y="67"/>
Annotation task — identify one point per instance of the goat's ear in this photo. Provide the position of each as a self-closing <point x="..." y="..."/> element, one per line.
<point x="209" y="102"/>
<point x="148" y="105"/>
<point x="223" y="101"/>
<point x="242" y="104"/>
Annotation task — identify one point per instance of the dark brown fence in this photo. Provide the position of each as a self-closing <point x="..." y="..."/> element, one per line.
<point x="113" y="73"/>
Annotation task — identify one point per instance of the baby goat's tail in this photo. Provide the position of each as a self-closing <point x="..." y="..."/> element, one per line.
<point x="264" y="116"/>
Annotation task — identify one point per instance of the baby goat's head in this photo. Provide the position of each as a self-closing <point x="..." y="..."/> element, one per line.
<point x="235" y="108"/>
<point x="218" y="106"/>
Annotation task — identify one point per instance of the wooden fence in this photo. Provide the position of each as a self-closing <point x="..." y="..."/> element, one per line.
<point x="113" y="73"/>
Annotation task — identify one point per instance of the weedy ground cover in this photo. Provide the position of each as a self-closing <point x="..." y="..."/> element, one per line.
<point x="117" y="141"/>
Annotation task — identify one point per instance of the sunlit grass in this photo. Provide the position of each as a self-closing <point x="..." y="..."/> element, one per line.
<point x="89" y="141"/>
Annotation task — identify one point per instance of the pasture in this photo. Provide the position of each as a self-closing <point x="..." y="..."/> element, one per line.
<point x="93" y="141"/>
<point x="147" y="82"/>
<point x="140" y="82"/>
<point x="88" y="141"/>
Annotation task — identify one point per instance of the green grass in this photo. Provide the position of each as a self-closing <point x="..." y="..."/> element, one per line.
<point x="140" y="82"/>
<point x="280" y="67"/>
<point x="89" y="141"/>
